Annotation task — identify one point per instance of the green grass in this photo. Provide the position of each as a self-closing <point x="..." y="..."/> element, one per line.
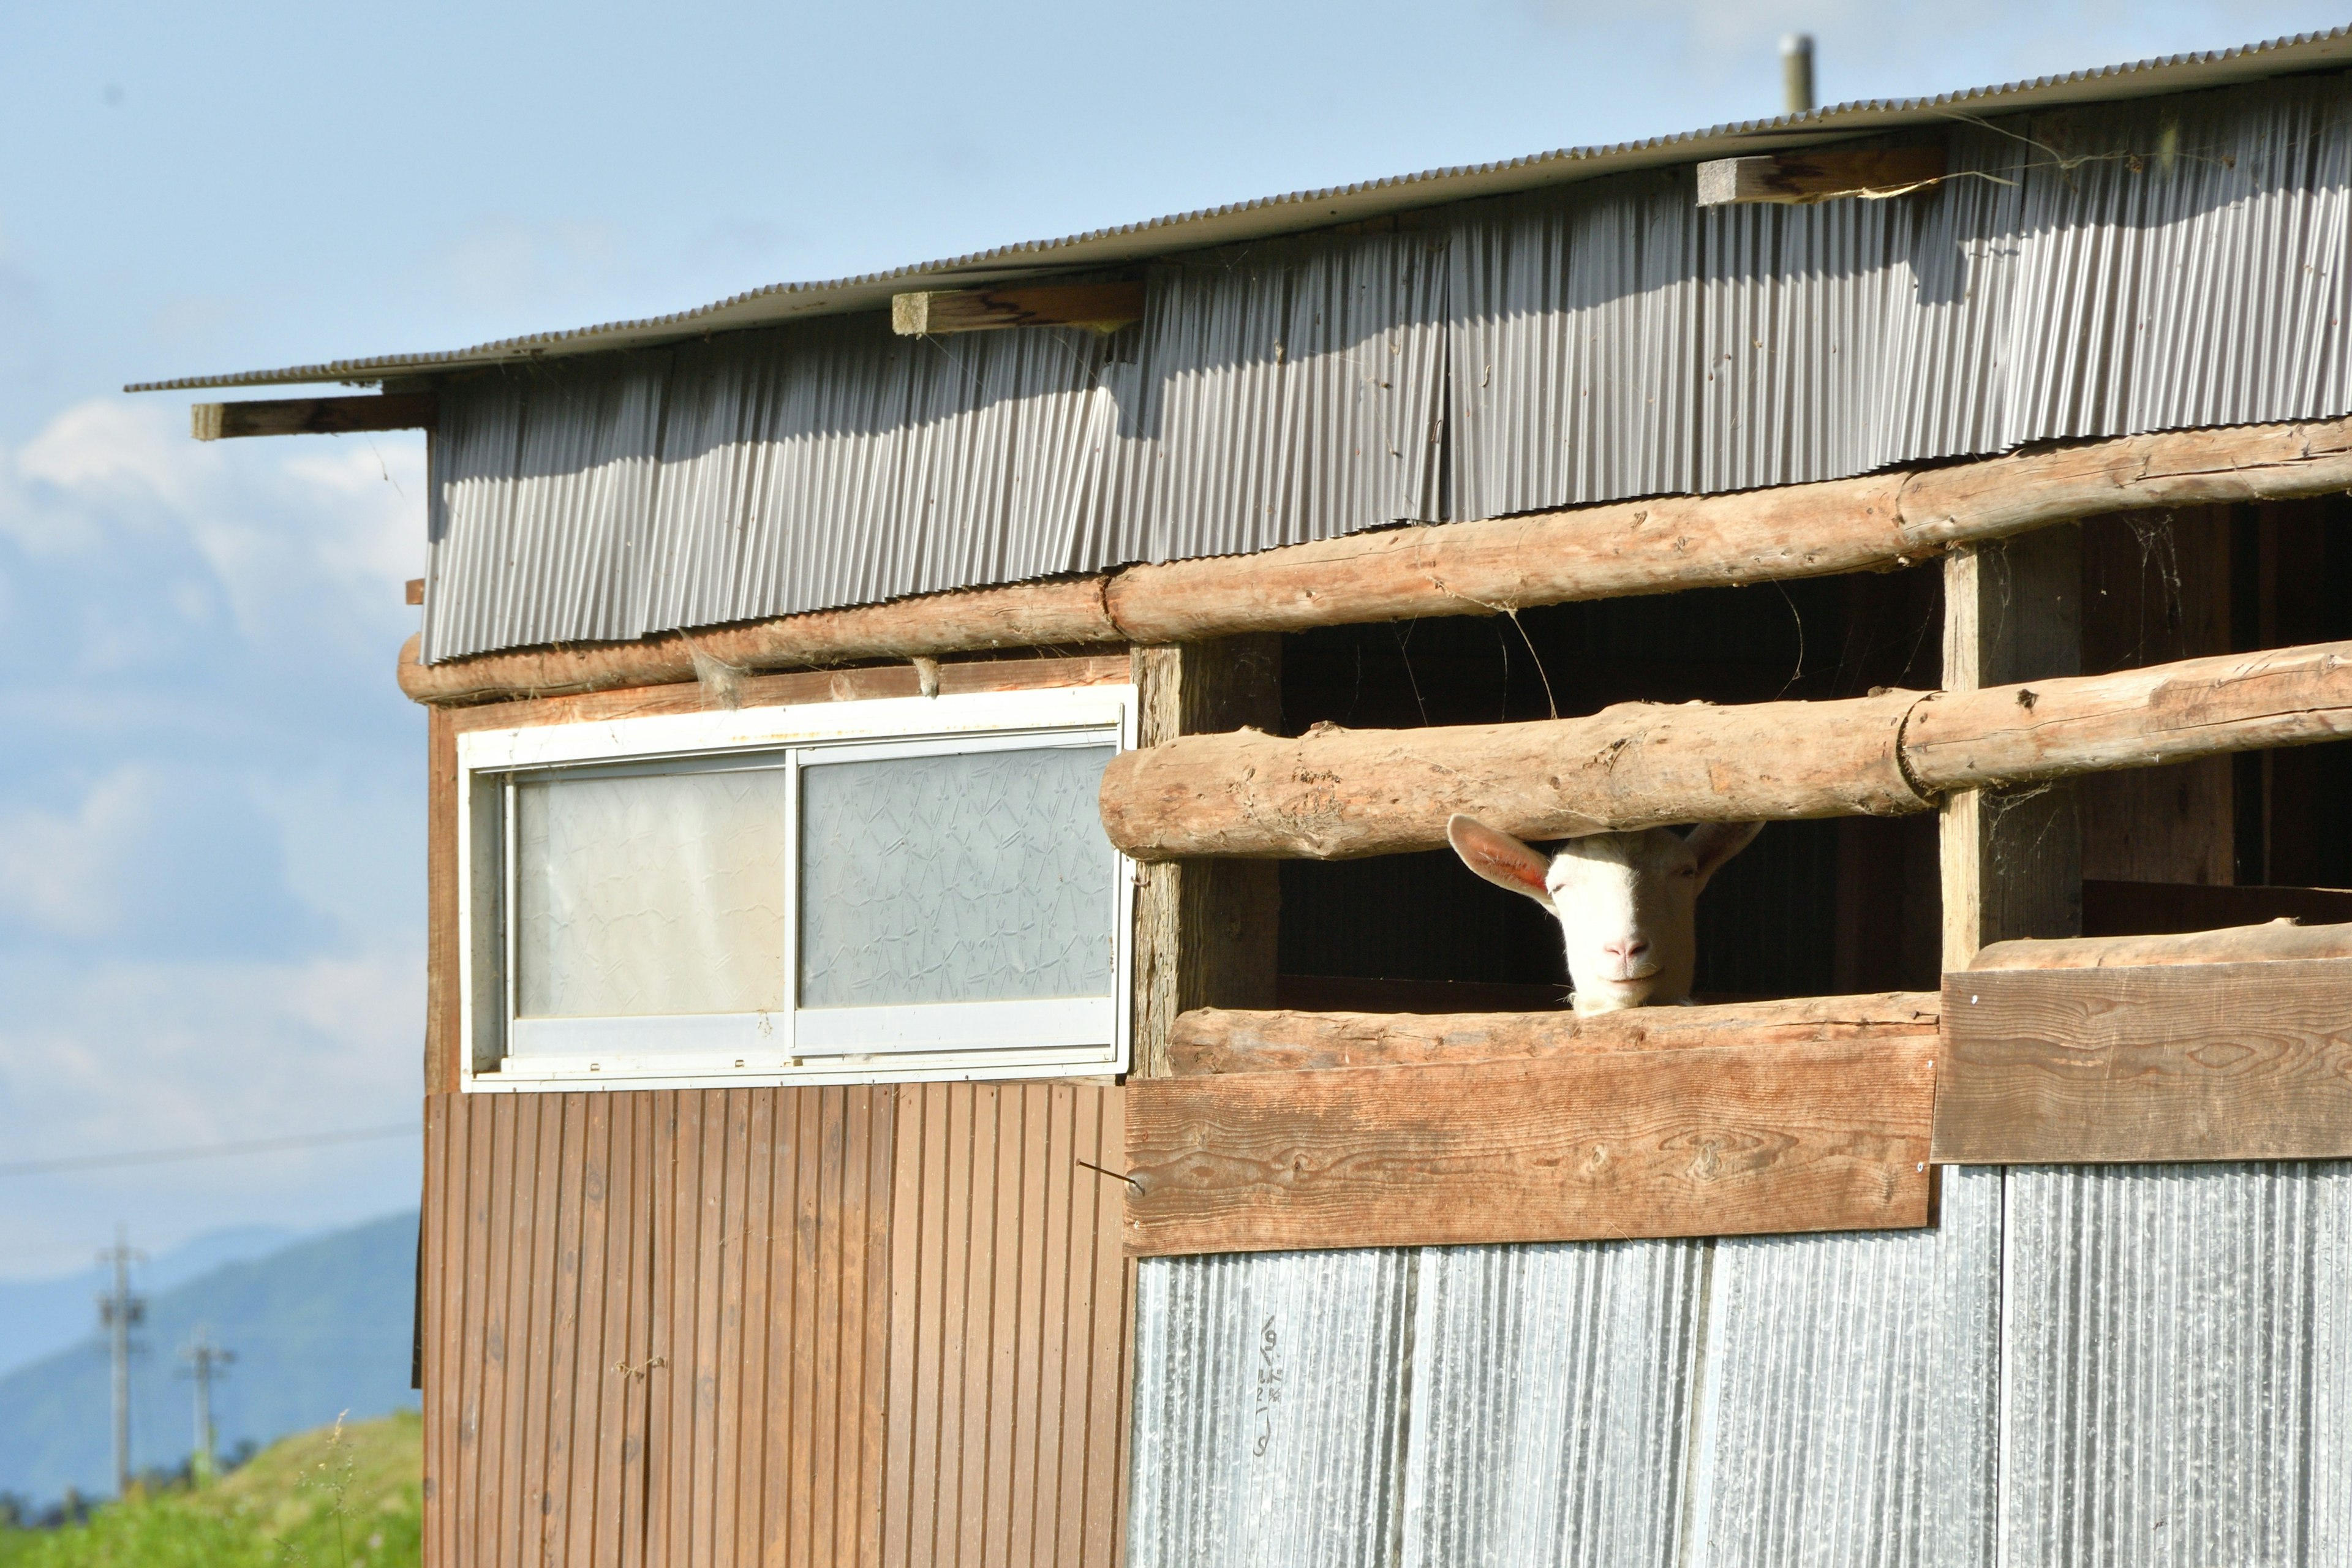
<point x="343" y="1496"/>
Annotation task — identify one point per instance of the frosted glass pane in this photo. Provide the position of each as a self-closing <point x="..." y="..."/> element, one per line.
<point x="966" y="878"/>
<point x="651" y="895"/>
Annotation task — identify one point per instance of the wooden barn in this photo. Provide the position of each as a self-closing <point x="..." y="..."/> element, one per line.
<point x="1119" y="1129"/>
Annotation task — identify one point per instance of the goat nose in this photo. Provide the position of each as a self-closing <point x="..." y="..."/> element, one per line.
<point x="1628" y="949"/>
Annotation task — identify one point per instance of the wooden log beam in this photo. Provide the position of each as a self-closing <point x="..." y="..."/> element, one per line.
<point x="1106" y="307"/>
<point x="1819" y="176"/>
<point x="2162" y="1062"/>
<point x="2041" y="730"/>
<point x="1214" y="1040"/>
<point x="1605" y="1145"/>
<point x="1873" y="523"/>
<point x="1336" y="794"/>
<point x="1065" y="613"/>
<point x="314" y="416"/>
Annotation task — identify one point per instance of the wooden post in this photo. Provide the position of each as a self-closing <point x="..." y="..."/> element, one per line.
<point x="2013" y="859"/>
<point x="1204" y="929"/>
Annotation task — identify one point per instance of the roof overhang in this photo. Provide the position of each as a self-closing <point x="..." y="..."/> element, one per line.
<point x="1306" y="210"/>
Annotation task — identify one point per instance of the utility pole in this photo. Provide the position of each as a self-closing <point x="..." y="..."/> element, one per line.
<point x="118" y="1312"/>
<point x="206" y="1362"/>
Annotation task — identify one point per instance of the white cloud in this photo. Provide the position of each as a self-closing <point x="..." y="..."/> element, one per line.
<point x="298" y="536"/>
<point x="61" y="872"/>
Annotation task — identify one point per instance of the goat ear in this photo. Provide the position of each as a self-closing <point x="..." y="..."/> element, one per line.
<point x="1716" y="842"/>
<point x="1499" y="858"/>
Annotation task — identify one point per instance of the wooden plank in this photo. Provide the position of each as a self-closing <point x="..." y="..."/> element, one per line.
<point x="1054" y="1172"/>
<point x="2013" y="861"/>
<point x="757" y="1423"/>
<point x="2279" y="941"/>
<point x="633" y="1438"/>
<point x="2137" y="909"/>
<point x="785" y="690"/>
<point x="829" y="1327"/>
<point x="1477" y="567"/>
<point x="788" y="1410"/>
<point x="808" y="1393"/>
<point x="732" y="1355"/>
<point x="554" y="1329"/>
<point x="1110" y="1381"/>
<point x="1217" y="1040"/>
<point x="1819" y="175"/>
<point x="1105" y="307"/>
<point x="314" y="416"/>
<point x="443" y="1001"/>
<point x="493" y="1483"/>
<point x="443" y="1217"/>
<point x="967" y="1520"/>
<point x="413" y="592"/>
<point x="2175" y="1062"/>
<point x="912" y="1225"/>
<point x="877" y="1311"/>
<point x="1028" y="1279"/>
<point x="586" y="1412"/>
<point x="1726" y="1140"/>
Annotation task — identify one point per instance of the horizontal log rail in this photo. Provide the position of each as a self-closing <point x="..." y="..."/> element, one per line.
<point x="1213" y="1041"/>
<point x="1336" y="794"/>
<point x="1872" y="523"/>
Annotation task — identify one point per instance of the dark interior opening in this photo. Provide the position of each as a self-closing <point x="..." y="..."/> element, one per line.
<point x="2224" y="840"/>
<point x="1850" y="905"/>
<point x="1811" y="908"/>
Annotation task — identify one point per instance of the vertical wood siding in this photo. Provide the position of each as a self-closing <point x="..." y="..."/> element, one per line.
<point x="804" y="1326"/>
<point x="1009" y="1377"/>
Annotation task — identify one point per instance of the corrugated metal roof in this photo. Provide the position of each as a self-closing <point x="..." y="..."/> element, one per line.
<point x="1302" y="210"/>
<point x="2134" y="268"/>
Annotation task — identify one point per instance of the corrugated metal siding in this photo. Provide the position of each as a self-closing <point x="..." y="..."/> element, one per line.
<point x="1270" y="1402"/>
<point x="2093" y="272"/>
<point x="705" y="1327"/>
<point x="2179" y="1366"/>
<point x="2120" y="1366"/>
<point x="1849" y="1413"/>
<point x="1552" y="1390"/>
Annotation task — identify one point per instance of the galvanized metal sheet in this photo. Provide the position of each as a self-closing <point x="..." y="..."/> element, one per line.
<point x="2097" y="272"/>
<point x="1287" y="395"/>
<point x="2178" y="1376"/>
<point x="1270" y="1397"/>
<point x="2083" y="1366"/>
<point x="1847" y="1410"/>
<point x="1553" y="1389"/>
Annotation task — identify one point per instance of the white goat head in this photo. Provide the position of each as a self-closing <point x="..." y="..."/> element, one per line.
<point x="1627" y="902"/>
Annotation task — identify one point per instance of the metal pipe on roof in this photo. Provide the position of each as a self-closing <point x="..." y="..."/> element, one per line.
<point x="1797" y="72"/>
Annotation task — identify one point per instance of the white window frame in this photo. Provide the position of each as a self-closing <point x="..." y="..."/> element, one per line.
<point x="950" y="1041"/>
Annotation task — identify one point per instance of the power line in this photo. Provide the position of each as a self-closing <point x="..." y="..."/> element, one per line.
<point x="207" y="1151"/>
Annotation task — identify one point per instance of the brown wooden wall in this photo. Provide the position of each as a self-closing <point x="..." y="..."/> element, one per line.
<point x="879" y="1325"/>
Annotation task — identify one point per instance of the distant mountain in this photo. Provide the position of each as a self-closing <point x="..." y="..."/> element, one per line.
<point x="318" y="1328"/>
<point x="37" y="1316"/>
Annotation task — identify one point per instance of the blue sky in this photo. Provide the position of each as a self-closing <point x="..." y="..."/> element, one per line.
<point x="211" y="792"/>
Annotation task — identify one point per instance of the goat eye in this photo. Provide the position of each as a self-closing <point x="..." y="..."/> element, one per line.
<point x="1685" y="870"/>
